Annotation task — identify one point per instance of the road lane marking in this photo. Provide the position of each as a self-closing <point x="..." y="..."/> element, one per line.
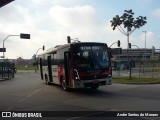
<point x="23" y="99"/>
<point x="34" y="92"/>
<point x="10" y="108"/>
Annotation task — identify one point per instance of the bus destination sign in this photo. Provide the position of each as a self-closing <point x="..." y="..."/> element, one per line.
<point x="91" y="47"/>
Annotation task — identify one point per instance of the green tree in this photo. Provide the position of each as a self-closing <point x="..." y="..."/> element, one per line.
<point x="127" y="24"/>
<point x="34" y="60"/>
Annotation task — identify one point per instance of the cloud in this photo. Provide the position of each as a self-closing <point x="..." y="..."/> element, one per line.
<point x="49" y="28"/>
<point x="78" y="19"/>
<point x="156" y="13"/>
<point x="151" y="39"/>
<point x="147" y="1"/>
<point x="16" y="20"/>
<point x="55" y="2"/>
<point x="143" y="2"/>
<point x="82" y="22"/>
<point x="52" y="26"/>
<point x="72" y="15"/>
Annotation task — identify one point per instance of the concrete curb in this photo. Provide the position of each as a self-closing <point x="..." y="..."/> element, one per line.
<point x="4" y="79"/>
<point x="139" y="83"/>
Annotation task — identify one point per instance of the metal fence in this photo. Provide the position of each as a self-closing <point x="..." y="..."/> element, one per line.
<point x="7" y="70"/>
<point x="141" y="69"/>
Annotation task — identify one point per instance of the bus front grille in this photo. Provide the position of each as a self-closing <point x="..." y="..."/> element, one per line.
<point x="94" y="77"/>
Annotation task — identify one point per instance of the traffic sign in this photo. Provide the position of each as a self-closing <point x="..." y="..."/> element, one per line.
<point x="2" y="49"/>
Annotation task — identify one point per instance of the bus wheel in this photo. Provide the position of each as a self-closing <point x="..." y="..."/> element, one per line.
<point x="64" y="86"/>
<point x="94" y="87"/>
<point x="46" y="79"/>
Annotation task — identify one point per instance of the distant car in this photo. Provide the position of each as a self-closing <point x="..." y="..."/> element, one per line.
<point x="124" y="67"/>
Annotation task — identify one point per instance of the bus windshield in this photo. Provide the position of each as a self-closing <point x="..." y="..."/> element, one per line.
<point x="92" y="58"/>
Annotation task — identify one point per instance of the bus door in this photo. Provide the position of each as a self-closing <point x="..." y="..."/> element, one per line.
<point x="41" y="71"/>
<point x="50" y="69"/>
<point x="67" y="67"/>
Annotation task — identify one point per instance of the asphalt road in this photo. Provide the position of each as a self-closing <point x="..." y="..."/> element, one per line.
<point x="27" y="92"/>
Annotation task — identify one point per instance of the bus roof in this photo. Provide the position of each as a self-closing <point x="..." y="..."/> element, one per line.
<point x="57" y="47"/>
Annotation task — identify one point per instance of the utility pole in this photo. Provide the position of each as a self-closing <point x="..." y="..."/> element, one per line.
<point x="22" y="36"/>
<point x="145" y="32"/>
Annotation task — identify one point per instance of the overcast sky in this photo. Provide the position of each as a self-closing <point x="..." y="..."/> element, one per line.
<point x="50" y="22"/>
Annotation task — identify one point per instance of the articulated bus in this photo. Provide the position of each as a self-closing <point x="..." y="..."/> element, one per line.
<point x="77" y="65"/>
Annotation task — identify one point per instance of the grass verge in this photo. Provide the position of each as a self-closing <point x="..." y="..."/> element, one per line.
<point x="136" y="80"/>
<point x="26" y="68"/>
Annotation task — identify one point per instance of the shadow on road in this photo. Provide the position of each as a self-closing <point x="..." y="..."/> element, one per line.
<point x="87" y="91"/>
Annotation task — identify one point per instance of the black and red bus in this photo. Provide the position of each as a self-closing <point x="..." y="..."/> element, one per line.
<point x="77" y="65"/>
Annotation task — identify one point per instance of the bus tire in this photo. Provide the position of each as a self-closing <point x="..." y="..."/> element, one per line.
<point x="46" y="79"/>
<point x="63" y="84"/>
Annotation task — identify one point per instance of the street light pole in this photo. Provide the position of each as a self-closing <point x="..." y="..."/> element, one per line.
<point x="43" y="48"/>
<point x="75" y="40"/>
<point x="22" y="35"/>
<point x="118" y="43"/>
<point x="145" y="45"/>
<point x="5" y="40"/>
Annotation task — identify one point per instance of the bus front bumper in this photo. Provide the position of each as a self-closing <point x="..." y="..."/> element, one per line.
<point x="94" y="82"/>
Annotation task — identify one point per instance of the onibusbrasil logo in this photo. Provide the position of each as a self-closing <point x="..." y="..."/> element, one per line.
<point x="21" y="114"/>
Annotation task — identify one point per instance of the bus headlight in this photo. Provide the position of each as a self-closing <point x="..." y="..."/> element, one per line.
<point x="76" y="75"/>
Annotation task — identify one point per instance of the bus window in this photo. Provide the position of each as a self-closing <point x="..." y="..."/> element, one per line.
<point x="82" y="59"/>
<point x="91" y="60"/>
<point x="101" y="59"/>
